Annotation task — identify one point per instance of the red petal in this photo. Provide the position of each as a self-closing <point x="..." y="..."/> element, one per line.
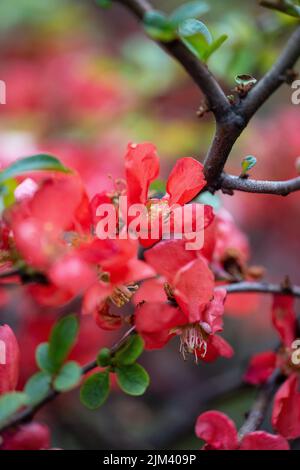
<point x="261" y="440"/>
<point x="284" y="318"/>
<point x="194" y="288"/>
<point x="217" y="430"/>
<point x="167" y="257"/>
<point x="73" y="274"/>
<point x="286" y="409"/>
<point x="214" y="313"/>
<point x="185" y="181"/>
<point x="151" y="290"/>
<point x="9" y="360"/>
<point x="154" y="322"/>
<point x="105" y="319"/>
<point x="142" y="167"/>
<point x="260" y="368"/>
<point x="32" y="436"/>
<point x="216" y="347"/>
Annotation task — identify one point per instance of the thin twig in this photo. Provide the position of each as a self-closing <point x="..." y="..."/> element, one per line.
<point x="260" y="407"/>
<point x="260" y="287"/>
<point x="280" y="188"/>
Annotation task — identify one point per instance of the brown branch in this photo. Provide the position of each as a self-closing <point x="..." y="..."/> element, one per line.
<point x="261" y="287"/>
<point x="280" y="188"/>
<point x="276" y="76"/>
<point x="260" y="407"/>
<point x="216" y="98"/>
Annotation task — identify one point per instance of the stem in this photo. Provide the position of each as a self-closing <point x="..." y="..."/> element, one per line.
<point x="261" y="287"/>
<point x="260" y="407"/>
<point x="280" y="188"/>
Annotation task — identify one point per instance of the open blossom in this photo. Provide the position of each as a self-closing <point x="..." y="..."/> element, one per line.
<point x="219" y="433"/>
<point x="190" y="307"/>
<point x="286" y="407"/>
<point x="184" y="183"/>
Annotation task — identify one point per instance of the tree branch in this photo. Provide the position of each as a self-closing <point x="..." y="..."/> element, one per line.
<point x="261" y="287"/>
<point x="216" y="98"/>
<point x="276" y="76"/>
<point x="260" y="407"/>
<point x="280" y="188"/>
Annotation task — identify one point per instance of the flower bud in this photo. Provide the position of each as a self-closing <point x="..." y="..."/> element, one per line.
<point x="32" y="436"/>
<point x="9" y="360"/>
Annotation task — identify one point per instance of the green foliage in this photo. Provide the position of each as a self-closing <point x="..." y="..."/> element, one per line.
<point x="130" y="352"/>
<point x="43" y="360"/>
<point x="95" y="390"/>
<point x="68" y="377"/>
<point x="187" y="11"/>
<point x="35" y="163"/>
<point x="37" y="387"/>
<point x="104" y="357"/>
<point x="248" y="163"/>
<point x="104" y="3"/>
<point x="132" y="379"/>
<point x="158" y="186"/>
<point x="7" y="193"/>
<point x="158" y="26"/>
<point x="289" y="7"/>
<point x="10" y="403"/>
<point x="62" y="339"/>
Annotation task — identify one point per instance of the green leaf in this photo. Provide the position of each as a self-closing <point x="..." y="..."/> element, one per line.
<point x="68" y="377"/>
<point x="187" y="11"/>
<point x="8" y="192"/>
<point x="248" y="163"/>
<point x="37" y="387"/>
<point x="104" y="3"/>
<point x="132" y="379"/>
<point x="158" y="186"/>
<point x="10" y="403"/>
<point x="95" y="390"/>
<point x="284" y="6"/>
<point x="104" y="357"/>
<point x="158" y="26"/>
<point x="245" y="80"/>
<point x="43" y="360"/>
<point x="213" y="47"/>
<point x="35" y="163"/>
<point x="62" y="339"/>
<point x="131" y="351"/>
<point x="195" y="36"/>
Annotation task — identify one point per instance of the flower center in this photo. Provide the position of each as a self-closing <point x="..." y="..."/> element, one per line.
<point x="122" y="294"/>
<point x="193" y="339"/>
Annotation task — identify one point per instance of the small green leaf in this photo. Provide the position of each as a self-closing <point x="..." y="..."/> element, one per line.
<point x="158" y="26"/>
<point x="104" y="3"/>
<point x="158" y="186"/>
<point x="40" y="162"/>
<point x="8" y="192"/>
<point x="248" y="163"/>
<point x="10" y="403"/>
<point x="131" y="351"/>
<point x="213" y="47"/>
<point x="187" y="11"/>
<point x="37" y="387"/>
<point x="62" y="339"/>
<point x="68" y="377"/>
<point x="104" y="357"/>
<point x="284" y="6"/>
<point x="245" y="80"/>
<point x="132" y="379"/>
<point x="195" y="36"/>
<point x="43" y="360"/>
<point x="95" y="390"/>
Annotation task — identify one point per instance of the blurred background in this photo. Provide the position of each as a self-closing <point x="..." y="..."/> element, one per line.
<point x="81" y="83"/>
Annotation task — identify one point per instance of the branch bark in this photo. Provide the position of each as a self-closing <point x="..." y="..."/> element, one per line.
<point x="260" y="407"/>
<point x="280" y="188"/>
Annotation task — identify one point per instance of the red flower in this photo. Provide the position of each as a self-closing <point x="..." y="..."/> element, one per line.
<point x="219" y="433"/>
<point x="284" y="318"/>
<point x="32" y="436"/>
<point x="261" y="367"/>
<point x="194" y="310"/>
<point x="286" y="409"/>
<point x="9" y="360"/>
